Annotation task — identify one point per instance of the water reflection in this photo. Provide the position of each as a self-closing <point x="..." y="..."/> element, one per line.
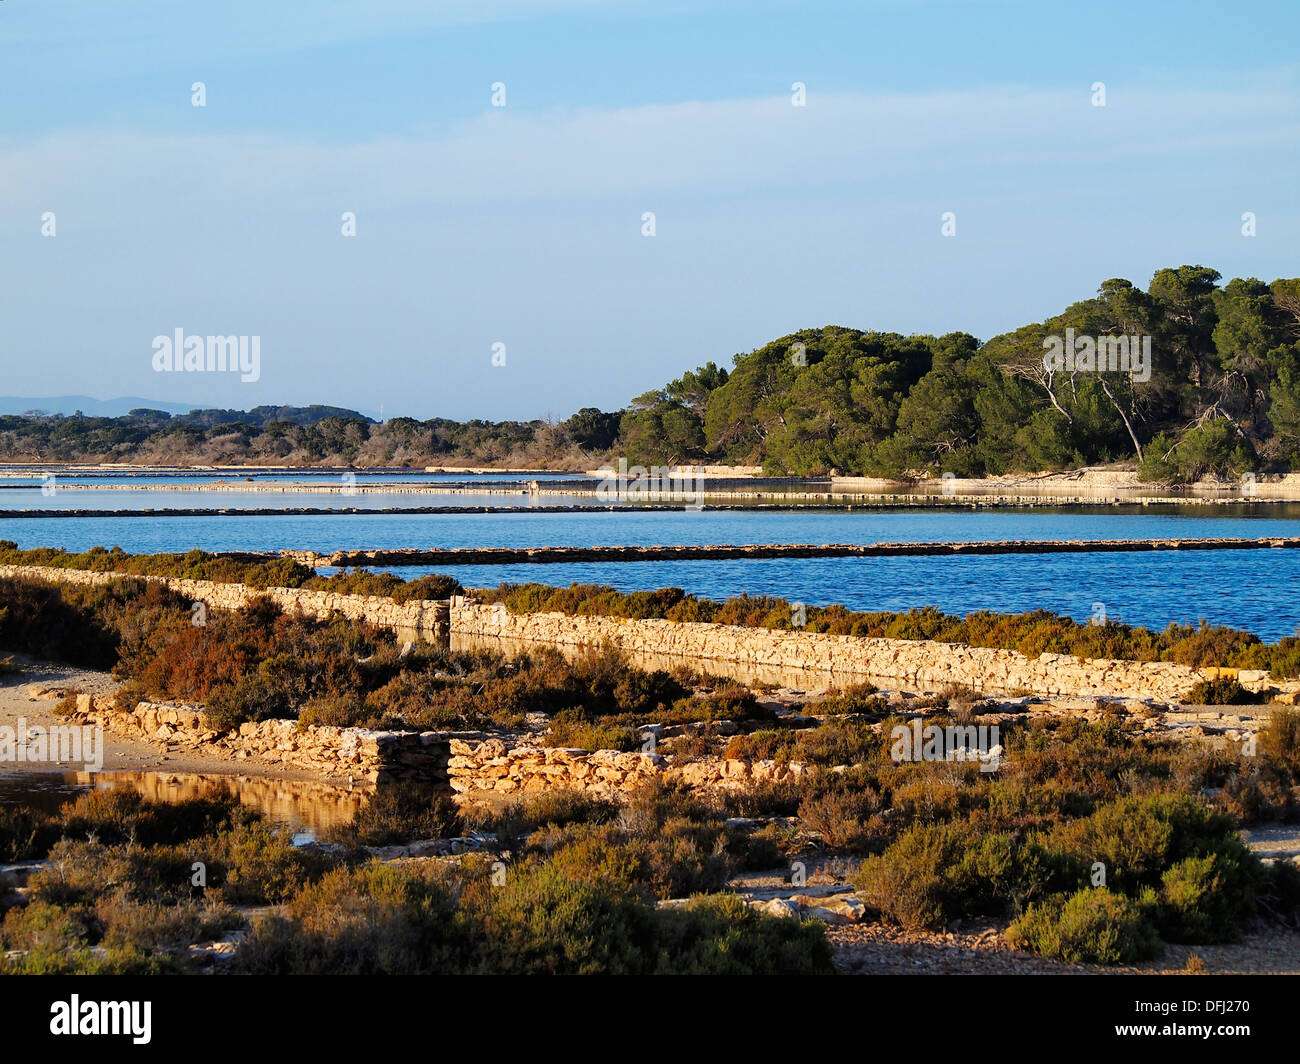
<point x="304" y="806"/>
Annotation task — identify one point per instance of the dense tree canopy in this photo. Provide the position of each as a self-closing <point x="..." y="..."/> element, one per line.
<point x="1220" y="396"/>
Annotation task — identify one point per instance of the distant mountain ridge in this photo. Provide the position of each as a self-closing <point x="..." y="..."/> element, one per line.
<point x="70" y="404"/>
<point x="172" y="413"/>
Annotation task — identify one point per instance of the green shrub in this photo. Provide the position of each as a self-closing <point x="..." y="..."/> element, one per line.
<point x="1138" y="838"/>
<point x="1202" y="900"/>
<point x="1091" y="926"/>
<point x="57" y="942"/>
<point x="375" y="920"/>
<point x="557" y="807"/>
<point x="258" y="865"/>
<point x="570" y="729"/>
<point x="1221" y="691"/>
<point x="1279" y="739"/>
<point x="401" y="812"/>
<point x="934" y="873"/>
<point x="719" y="935"/>
<point x="388" y="919"/>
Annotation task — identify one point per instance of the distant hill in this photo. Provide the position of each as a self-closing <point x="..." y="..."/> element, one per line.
<point x="1184" y="379"/>
<point x="70" y="404"/>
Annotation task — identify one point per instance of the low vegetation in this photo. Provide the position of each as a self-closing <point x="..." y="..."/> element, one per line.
<point x="1093" y="841"/>
<point x="118" y="895"/>
<point x="254" y="570"/>
<point x="259" y="663"/>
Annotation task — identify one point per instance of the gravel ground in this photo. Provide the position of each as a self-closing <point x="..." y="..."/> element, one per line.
<point x="873" y="949"/>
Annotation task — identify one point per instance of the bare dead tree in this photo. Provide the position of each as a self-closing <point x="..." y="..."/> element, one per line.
<point x="1033" y="370"/>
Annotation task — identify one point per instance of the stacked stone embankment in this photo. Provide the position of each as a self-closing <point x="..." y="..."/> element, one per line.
<point x="355" y="753"/>
<point x="426" y="619"/>
<point x="485" y="769"/>
<point x="914" y="664"/>
<point x="476" y="768"/>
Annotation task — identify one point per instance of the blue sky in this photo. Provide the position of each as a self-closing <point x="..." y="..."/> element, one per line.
<point x="522" y="225"/>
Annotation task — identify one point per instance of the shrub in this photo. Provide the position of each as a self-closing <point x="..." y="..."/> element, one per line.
<point x="555" y="808"/>
<point x="1221" y="691"/>
<point x="123" y="815"/>
<point x="143" y="928"/>
<point x="378" y="919"/>
<point x="720" y="935"/>
<point x="399" y="813"/>
<point x="1279" y="739"/>
<point x="1201" y="901"/>
<point x="79" y="871"/>
<point x="258" y="865"/>
<point x="56" y="941"/>
<point x="845" y="818"/>
<point x="1094" y="925"/>
<point x="1138" y="838"/>
<point x="1279" y="893"/>
<point x="570" y="728"/>
<point x="936" y="872"/>
<point x="25" y="833"/>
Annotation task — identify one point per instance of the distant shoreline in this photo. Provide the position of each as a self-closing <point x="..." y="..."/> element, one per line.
<point x="744" y="480"/>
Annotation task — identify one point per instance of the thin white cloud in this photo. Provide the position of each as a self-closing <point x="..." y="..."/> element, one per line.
<point x="509" y="156"/>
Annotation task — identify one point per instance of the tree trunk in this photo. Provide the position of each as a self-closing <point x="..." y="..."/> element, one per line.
<point x="1123" y="416"/>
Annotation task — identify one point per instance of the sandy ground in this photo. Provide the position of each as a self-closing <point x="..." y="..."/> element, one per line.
<point x="18" y="700"/>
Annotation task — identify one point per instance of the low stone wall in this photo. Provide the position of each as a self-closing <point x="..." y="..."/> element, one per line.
<point x="476" y="769"/>
<point x="915" y="664"/>
<point x="419" y="618"/>
<point x="489" y="768"/>
<point x="370" y="756"/>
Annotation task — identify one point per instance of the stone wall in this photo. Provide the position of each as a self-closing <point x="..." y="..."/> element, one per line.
<point x="477" y="769"/>
<point x="484" y="770"/>
<point x="419" y="619"/>
<point x="915" y="664"/>
<point x="355" y="753"/>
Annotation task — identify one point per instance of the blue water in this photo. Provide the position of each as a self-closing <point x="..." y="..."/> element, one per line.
<point x="1251" y="590"/>
<point x="1254" y="590"/>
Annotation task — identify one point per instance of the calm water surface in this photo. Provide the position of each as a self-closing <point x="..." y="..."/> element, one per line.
<point x="1255" y="590"/>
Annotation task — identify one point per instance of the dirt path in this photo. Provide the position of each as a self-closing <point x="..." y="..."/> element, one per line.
<point x="869" y="949"/>
<point x="29" y="695"/>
